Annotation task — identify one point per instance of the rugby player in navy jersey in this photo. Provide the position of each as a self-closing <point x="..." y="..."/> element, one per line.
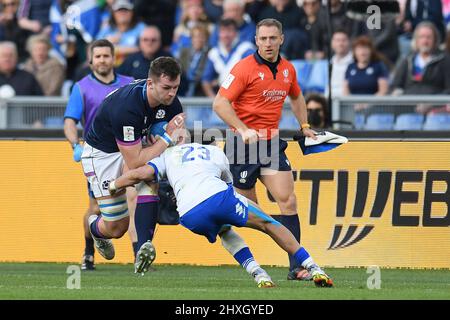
<point x="85" y="98"/>
<point x="114" y="143"/>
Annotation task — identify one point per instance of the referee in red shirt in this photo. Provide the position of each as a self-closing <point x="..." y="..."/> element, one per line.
<point x="250" y="100"/>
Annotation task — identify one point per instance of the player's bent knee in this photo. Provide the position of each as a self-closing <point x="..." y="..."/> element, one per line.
<point x="288" y="205"/>
<point x="114" y="209"/>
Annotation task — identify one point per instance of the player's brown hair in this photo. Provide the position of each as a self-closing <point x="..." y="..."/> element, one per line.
<point x="100" y="44"/>
<point x="164" y="65"/>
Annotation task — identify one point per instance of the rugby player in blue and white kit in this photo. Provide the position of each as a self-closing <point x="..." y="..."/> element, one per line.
<point x="114" y="142"/>
<point x="208" y="204"/>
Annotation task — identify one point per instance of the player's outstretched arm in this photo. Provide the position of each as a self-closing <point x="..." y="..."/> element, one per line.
<point x="132" y="177"/>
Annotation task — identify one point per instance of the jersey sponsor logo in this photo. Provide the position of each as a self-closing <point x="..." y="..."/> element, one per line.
<point x="160" y="114"/>
<point x="274" y="95"/>
<point x="240" y="211"/>
<point x="261" y="75"/>
<point x="243" y="175"/>
<point x="128" y="133"/>
<point x="228" y="81"/>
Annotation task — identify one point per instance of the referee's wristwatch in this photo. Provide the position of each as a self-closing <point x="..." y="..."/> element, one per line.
<point x="305" y="125"/>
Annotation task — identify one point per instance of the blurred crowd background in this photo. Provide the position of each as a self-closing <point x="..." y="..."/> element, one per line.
<point x="44" y="44"/>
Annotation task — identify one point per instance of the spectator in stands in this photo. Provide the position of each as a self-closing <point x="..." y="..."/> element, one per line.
<point x="14" y="81"/>
<point x="224" y="56"/>
<point x="417" y="11"/>
<point x="342" y="58"/>
<point x="385" y="39"/>
<point x="123" y="30"/>
<point x="317" y="108"/>
<point x="425" y="70"/>
<point x="73" y="27"/>
<point x="34" y="16"/>
<point x="296" y="40"/>
<point x="137" y="64"/>
<point x="160" y="13"/>
<point x="193" y="60"/>
<point x="235" y="10"/>
<point x="9" y="26"/>
<point x="193" y="15"/>
<point x="340" y="20"/>
<point x="314" y="21"/>
<point x="213" y="10"/>
<point x="367" y="74"/>
<point x="49" y="72"/>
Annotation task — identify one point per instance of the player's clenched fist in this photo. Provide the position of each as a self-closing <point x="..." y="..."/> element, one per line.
<point x="249" y="135"/>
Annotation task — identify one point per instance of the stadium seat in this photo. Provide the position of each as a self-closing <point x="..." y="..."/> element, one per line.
<point x="409" y="121"/>
<point x="359" y="121"/>
<point x="195" y="114"/>
<point x="380" y="121"/>
<point x="213" y="120"/>
<point x="288" y="122"/>
<point x="303" y="69"/>
<point x="437" y="121"/>
<point x="312" y="76"/>
<point x="318" y="78"/>
<point x="54" y="122"/>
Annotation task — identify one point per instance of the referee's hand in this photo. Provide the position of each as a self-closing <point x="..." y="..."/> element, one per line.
<point x="249" y="135"/>
<point x="307" y="132"/>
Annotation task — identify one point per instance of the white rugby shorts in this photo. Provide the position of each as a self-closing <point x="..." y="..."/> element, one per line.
<point x="100" y="168"/>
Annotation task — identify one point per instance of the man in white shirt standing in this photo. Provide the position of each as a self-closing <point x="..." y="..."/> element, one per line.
<point x="340" y="43"/>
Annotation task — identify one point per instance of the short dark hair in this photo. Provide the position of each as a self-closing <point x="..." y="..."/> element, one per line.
<point x="341" y="30"/>
<point x="270" y="22"/>
<point x="320" y="99"/>
<point x="227" y="22"/>
<point x="316" y="97"/>
<point x="100" y="43"/>
<point x="164" y="65"/>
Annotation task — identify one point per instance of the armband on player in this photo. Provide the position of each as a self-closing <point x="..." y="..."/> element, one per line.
<point x="167" y="139"/>
<point x="158" y="130"/>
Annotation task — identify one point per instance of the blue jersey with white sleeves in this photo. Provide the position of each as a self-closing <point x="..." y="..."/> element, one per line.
<point x="125" y="116"/>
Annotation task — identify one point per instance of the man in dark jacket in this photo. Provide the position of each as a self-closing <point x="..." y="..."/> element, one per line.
<point x="424" y="70"/>
<point x="136" y="65"/>
<point x="18" y="82"/>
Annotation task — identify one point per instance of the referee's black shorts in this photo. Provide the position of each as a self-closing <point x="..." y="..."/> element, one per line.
<point x="246" y="160"/>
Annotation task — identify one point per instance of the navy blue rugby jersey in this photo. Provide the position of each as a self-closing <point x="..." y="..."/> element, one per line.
<point x="125" y="116"/>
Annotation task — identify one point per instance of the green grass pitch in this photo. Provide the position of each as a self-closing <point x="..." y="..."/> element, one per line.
<point x="49" y="281"/>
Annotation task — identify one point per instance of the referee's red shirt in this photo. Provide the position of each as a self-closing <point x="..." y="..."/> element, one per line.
<point x="257" y="96"/>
